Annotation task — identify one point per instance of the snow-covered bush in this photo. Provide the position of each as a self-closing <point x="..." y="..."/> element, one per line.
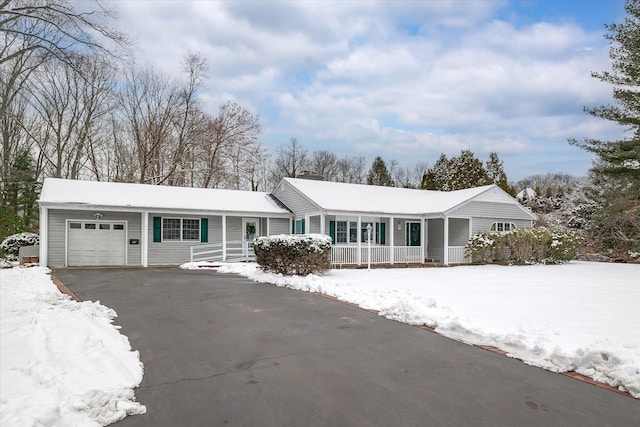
<point x="523" y="246"/>
<point x="563" y="246"/>
<point x="480" y="247"/>
<point x="299" y="254"/>
<point x="12" y="244"/>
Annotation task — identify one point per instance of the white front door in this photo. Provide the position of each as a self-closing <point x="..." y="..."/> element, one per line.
<point x="249" y="232"/>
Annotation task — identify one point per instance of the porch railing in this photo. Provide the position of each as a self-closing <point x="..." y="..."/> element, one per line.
<point x="236" y="250"/>
<point x="456" y="255"/>
<point x="406" y="254"/>
<point x="344" y="255"/>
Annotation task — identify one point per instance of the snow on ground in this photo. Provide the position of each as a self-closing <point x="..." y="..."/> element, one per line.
<point x="62" y="363"/>
<point x="582" y="317"/>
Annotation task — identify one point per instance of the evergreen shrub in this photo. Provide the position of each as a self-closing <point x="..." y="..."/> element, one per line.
<point x="12" y="244"/>
<point x="523" y="246"/>
<point x="289" y="254"/>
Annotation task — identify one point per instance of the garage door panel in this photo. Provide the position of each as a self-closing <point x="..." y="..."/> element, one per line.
<point x="96" y="243"/>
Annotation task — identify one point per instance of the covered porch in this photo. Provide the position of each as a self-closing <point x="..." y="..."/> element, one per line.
<point x="366" y="239"/>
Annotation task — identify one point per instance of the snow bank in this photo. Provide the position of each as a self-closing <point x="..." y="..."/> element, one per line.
<point x="61" y="362"/>
<point x="581" y="317"/>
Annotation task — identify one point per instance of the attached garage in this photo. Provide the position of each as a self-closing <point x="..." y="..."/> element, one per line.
<point x="96" y="243"/>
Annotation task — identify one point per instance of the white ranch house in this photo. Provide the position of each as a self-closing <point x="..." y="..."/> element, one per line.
<point x="89" y="223"/>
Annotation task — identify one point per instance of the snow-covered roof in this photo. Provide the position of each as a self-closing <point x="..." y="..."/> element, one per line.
<point x="527" y="193"/>
<point x="337" y="196"/>
<point x="155" y="197"/>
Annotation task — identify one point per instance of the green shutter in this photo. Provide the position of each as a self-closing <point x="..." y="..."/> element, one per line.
<point x="382" y="233"/>
<point x="303" y="226"/>
<point x="157" y="229"/>
<point x="332" y="231"/>
<point x="204" y="230"/>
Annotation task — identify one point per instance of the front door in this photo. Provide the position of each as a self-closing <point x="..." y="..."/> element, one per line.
<point x="250" y="232"/>
<point x="413" y="234"/>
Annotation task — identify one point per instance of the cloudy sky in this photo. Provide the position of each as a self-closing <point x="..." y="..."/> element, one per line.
<point x="405" y="80"/>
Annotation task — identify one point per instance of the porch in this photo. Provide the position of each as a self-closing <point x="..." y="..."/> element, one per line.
<point x="366" y="239"/>
<point x="380" y="254"/>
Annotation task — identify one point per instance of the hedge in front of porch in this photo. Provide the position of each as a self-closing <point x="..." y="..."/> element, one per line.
<point x="289" y="254"/>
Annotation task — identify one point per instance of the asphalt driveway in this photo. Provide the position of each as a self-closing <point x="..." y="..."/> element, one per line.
<point x="220" y="350"/>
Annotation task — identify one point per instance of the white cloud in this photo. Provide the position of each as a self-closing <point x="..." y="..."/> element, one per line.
<point x="409" y="79"/>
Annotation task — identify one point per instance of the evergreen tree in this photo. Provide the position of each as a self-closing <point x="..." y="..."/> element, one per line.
<point x="457" y="173"/>
<point x="621" y="158"/>
<point x="22" y="188"/>
<point x="437" y="177"/>
<point x="495" y="171"/>
<point x="379" y="174"/>
<point x="616" y="225"/>
<point x="467" y="171"/>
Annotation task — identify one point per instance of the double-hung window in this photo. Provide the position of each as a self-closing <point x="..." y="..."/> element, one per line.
<point x="341" y="231"/>
<point x="180" y="229"/>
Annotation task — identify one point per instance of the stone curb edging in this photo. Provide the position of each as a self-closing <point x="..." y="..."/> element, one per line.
<point x="63" y="288"/>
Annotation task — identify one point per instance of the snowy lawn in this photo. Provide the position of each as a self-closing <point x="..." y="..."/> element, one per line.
<point x="62" y="362"/>
<point x="582" y="317"/>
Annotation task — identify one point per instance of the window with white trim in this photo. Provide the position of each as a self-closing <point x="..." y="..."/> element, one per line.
<point x="180" y="229"/>
<point x="500" y="226"/>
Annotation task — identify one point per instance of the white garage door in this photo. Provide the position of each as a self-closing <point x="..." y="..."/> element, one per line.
<point x="93" y="243"/>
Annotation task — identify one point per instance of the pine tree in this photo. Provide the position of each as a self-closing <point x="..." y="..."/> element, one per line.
<point x="437" y="177"/>
<point x="467" y="171"/>
<point x="621" y="158"/>
<point x="379" y="174"/>
<point x="22" y="188"/>
<point x="495" y="171"/>
<point x="616" y="224"/>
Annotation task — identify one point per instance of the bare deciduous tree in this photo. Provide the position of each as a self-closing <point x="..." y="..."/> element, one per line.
<point x="227" y="145"/>
<point x="324" y="163"/>
<point x="351" y="170"/>
<point x="38" y="32"/>
<point x="70" y="108"/>
<point x="57" y="29"/>
<point x="291" y="160"/>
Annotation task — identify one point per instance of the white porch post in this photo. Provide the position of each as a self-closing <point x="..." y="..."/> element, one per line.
<point x="322" y="226"/>
<point x="446" y="240"/>
<point x="144" y="241"/>
<point x="224" y="237"/>
<point x="392" y="228"/>
<point x="44" y="234"/>
<point x="307" y="224"/>
<point x="422" y="239"/>
<point x="359" y="257"/>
